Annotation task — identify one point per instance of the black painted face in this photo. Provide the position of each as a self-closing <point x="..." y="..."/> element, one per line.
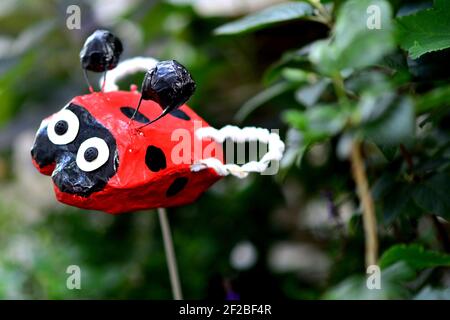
<point x="84" y="151"/>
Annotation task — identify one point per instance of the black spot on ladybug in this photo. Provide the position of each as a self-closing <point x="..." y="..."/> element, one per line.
<point x="155" y="159"/>
<point x="180" y="115"/>
<point x="177" y="185"/>
<point x="139" y="117"/>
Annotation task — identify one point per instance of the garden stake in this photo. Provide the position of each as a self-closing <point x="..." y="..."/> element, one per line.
<point x="103" y="154"/>
<point x="170" y="254"/>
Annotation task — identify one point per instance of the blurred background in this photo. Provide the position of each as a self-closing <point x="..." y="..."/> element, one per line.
<point x="294" y="235"/>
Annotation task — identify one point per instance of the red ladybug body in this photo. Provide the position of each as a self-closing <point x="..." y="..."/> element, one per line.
<point x="99" y="159"/>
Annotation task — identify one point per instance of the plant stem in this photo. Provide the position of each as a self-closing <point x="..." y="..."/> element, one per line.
<point x="170" y="254"/>
<point x="336" y="7"/>
<point x="358" y="170"/>
<point x="369" y="217"/>
<point x="322" y="11"/>
<point x="339" y="87"/>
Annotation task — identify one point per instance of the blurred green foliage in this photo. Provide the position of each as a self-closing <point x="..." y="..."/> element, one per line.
<point x="312" y="69"/>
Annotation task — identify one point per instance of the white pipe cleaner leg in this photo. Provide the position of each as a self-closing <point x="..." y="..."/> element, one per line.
<point x="274" y="153"/>
<point x="126" y="68"/>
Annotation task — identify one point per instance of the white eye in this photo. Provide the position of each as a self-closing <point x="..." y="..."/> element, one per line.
<point x="92" y="154"/>
<point x="63" y="127"/>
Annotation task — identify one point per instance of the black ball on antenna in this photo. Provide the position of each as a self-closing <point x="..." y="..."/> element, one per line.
<point x="169" y="84"/>
<point x="101" y="51"/>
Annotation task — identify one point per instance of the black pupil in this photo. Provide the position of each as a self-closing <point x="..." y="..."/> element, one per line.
<point x="91" y="154"/>
<point x="61" y="127"/>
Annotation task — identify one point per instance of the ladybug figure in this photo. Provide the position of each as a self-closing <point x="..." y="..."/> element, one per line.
<point x="113" y="151"/>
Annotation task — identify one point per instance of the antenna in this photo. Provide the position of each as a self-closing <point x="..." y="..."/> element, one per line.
<point x="169" y="84"/>
<point x="101" y="52"/>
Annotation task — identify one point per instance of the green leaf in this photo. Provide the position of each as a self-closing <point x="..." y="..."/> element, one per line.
<point x="308" y="95"/>
<point x="262" y="19"/>
<point x="394" y="198"/>
<point x="373" y="107"/>
<point x="437" y="98"/>
<point x="367" y="82"/>
<point x="261" y="98"/>
<point x="433" y="194"/>
<point x="292" y="59"/>
<point x="415" y="256"/>
<point x="296" y="75"/>
<point x="355" y="287"/>
<point x="295" y="149"/>
<point x="426" y="31"/>
<point x="318" y="123"/>
<point x="353" y="44"/>
<point x="397" y="125"/>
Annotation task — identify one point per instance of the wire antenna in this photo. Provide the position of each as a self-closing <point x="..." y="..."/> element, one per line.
<point x="100" y="53"/>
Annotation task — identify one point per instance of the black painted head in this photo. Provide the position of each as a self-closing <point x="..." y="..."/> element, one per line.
<point x="101" y="51"/>
<point x="83" y="151"/>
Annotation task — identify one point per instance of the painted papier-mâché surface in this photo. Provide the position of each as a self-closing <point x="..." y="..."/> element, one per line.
<point x="100" y="159"/>
<point x="122" y="151"/>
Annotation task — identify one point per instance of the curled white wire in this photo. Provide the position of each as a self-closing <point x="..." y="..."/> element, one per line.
<point x="126" y="68"/>
<point x="274" y="153"/>
<point x="275" y="145"/>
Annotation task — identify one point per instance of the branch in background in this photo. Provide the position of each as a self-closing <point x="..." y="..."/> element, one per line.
<point x="322" y="13"/>
<point x="366" y="200"/>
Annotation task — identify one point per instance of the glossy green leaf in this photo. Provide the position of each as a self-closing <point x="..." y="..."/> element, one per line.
<point x="353" y="44"/>
<point x="261" y="98"/>
<point x="415" y="256"/>
<point x="318" y="123"/>
<point x="425" y="31"/>
<point x="437" y="98"/>
<point x="433" y="194"/>
<point x="275" y="14"/>
<point x="392" y="279"/>
<point x="308" y="95"/>
<point x="292" y="59"/>
<point x="394" y="198"/>
<point x="397" y="125"/>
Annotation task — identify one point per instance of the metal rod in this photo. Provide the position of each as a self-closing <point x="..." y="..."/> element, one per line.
<point x="137" y="109"/>
<point x="170" y="254"/>
<point x="104" y="80"/>
<point x="86" y="78"/>
<point x="165" y="112"/>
